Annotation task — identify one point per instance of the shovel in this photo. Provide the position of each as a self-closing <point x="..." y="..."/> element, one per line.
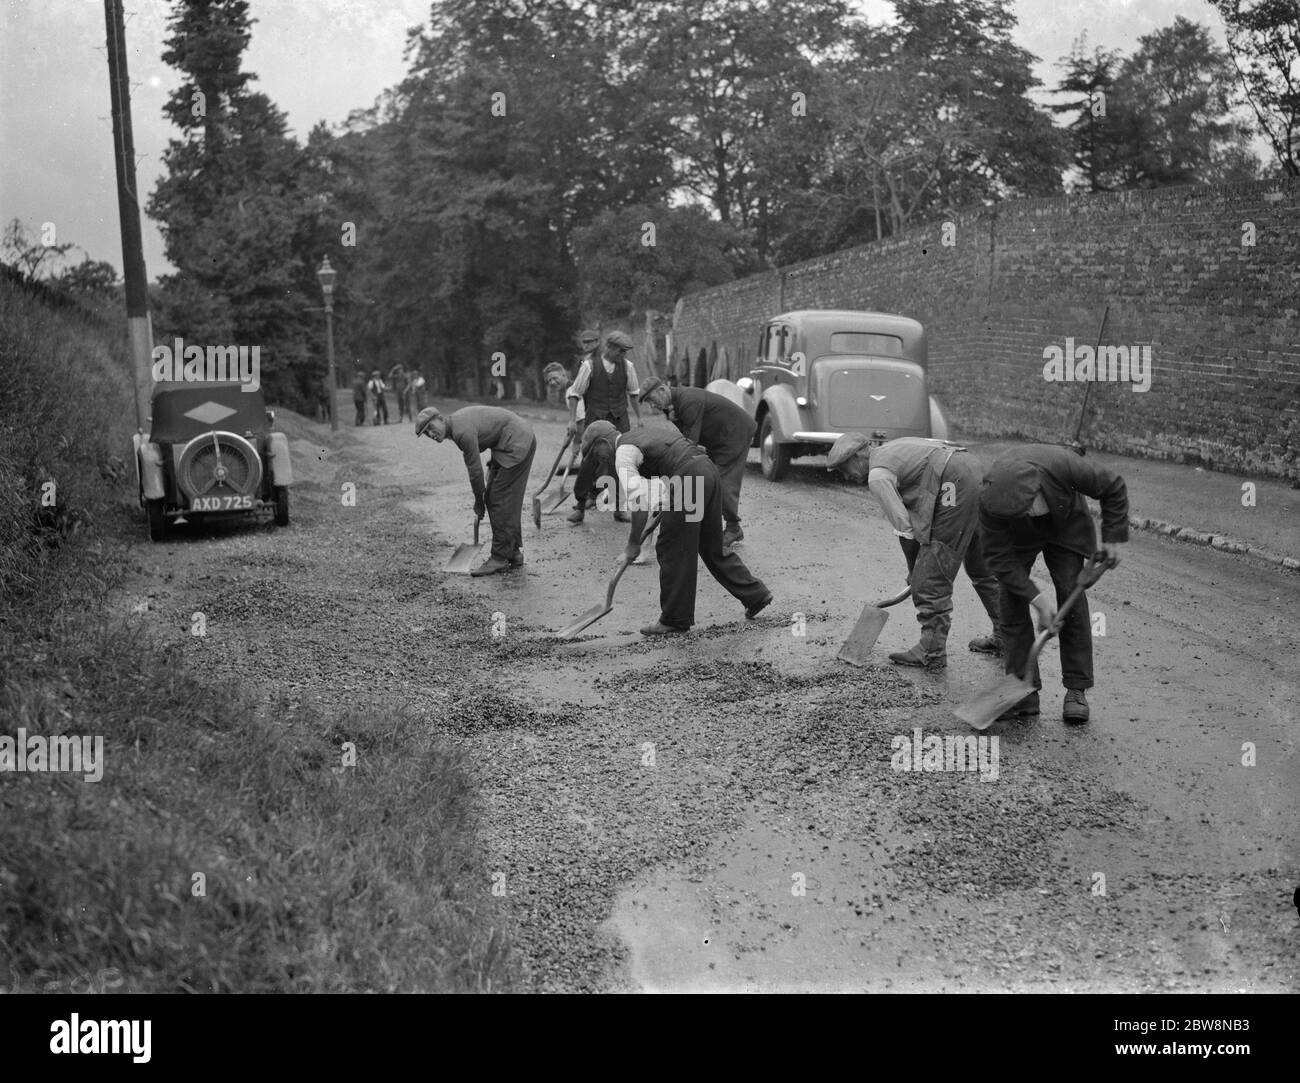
<point x="982" y="711"/>
<point x="464" y="555"/>
<point x="597" y="611"/>
<point x="865" y="633"/>
<point x="564" y="480"/>
<point x="537" y="497"/>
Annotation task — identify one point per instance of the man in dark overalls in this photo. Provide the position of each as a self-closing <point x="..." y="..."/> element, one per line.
<point x="476" y="429"/>
<point x="606" y="386"/>
<point x="929" y="490"/>
<point x="1033" y="502"/>
<point x="722" y="428"/>
<point x="359" y="395"/>
<point x="650" y="459"/>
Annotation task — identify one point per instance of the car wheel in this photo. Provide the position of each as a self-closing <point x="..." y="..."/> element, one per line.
<point x="281" y="505"/>
<point x="157" y="520"/>
<point x="773" y="456"/>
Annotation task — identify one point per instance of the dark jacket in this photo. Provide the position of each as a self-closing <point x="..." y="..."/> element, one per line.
<point x="477" y="429"/>
<point x="665" y="453"/>
<point x="715" y="423"/>
<point x="1065" y="478"/>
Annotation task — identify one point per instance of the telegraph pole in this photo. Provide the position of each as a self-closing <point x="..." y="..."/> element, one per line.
<point x="138" y="324"/>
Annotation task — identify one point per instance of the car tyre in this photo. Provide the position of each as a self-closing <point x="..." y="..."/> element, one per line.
<point x="774" y="457"/>
<point x="157" y="520"/>
<point x="281" y="505"/>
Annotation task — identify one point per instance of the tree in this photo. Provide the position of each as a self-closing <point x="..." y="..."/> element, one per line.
<point x="1089" y="78"/>
<point x="1175" y="98"/>
<point x="95" y="278"/>
<point x="30" y="255"/>
<point x="1264" y="43"/>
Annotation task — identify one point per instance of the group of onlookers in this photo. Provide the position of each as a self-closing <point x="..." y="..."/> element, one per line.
<point x="408" y="386"/>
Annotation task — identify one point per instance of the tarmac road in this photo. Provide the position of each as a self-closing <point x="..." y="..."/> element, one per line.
<point x="719" y="811"/>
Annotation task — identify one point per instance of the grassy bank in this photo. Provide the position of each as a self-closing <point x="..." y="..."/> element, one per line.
<point x="225" y="848"/>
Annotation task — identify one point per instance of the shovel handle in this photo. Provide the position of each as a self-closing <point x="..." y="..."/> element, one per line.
<point x="902" y="595"/>
<point x="568" y="439"/>
<point x="1091" y="571"/>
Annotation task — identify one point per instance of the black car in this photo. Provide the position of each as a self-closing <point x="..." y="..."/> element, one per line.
<point x="210" y="452"/>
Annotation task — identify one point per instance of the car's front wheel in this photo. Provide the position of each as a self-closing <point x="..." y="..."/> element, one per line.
<point x="281" y="505"/>
<point x="157" y="520"/>
<point x="774" y="457"/>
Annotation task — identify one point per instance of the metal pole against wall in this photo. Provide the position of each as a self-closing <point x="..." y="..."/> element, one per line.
<point x="136" y="280"/>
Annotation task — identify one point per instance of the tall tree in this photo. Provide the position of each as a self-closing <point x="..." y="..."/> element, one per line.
<point x="1264" y="42"/>
<point x="1087" y="83"/>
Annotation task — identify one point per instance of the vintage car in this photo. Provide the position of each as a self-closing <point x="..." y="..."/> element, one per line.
<point x="210" y="452"/>
<point x="822" y="373"/>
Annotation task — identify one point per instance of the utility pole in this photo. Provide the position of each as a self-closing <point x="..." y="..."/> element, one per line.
<point x="138" y="324"/>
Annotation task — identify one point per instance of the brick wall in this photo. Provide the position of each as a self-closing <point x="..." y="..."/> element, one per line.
<point x="1222" y="319"/>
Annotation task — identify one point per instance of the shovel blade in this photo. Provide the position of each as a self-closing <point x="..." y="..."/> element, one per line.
<point x="858" y="646"/>
<point x="585" y="621"/>
<point x="461" y="559"/>
<point x="981" y="711"/>
<point x="537" y="512"/>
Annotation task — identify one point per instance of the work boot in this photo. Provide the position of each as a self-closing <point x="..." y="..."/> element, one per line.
<point x="577" y="515"/>
<point x="1075" y="710"/>
<point x="661" y="629"/>
<point x="754" y="610"/>
<point x="1026" y="708"/>
<point x="517" y="561"/>
<point x="732" y="535"/>
<point x="591" y="503"/>
<point x="916" y="656"/>
<point x="987" y="645"/>
<point x="491" y="566"/>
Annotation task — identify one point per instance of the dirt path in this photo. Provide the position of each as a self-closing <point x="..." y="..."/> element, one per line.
<point x="720" y="811"/>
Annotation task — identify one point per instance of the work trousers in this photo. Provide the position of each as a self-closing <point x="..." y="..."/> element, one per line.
<point x="731" y="463"/>
<point x="381" y="409"/>
<point x="620" y="422"/>
<point x="954" y="543"/>
<point x="360" y="404"/>
<point x="505" y="504"/>
<point x="1063" y="565"/>
<point x="682" y="545"/>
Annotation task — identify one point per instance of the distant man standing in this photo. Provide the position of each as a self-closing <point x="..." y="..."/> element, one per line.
<point x="606" y="386"/>
<point x="377" y="387"/>
<point x="588" y="353"/>
<point x="359" y="395"/>
<point x="722" y="428"/>
<point x="929" y="490"/>
<point x="1033" y="502"/>
<point x="400" y="383"/>
<point x="475" y="429"/>
<point x="691" y="527"/>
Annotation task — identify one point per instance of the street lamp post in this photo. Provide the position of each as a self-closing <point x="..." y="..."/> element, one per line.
<point x="325" y="275"/>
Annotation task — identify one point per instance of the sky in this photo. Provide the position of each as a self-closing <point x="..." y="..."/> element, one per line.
<point x="317" y="60"/>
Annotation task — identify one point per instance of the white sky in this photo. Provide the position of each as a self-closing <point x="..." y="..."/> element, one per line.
<point x="317" y="60"/>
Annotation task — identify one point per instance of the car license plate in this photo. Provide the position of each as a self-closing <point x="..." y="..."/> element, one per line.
<point x="222" y="503"/>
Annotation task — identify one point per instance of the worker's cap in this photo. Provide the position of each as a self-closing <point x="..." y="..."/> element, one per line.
<point x="617" y="338"/>
<point x="597" y="430"/>
<point x="588" y="339"/>
<point x="374" y="374"/>
<point x="425" y="418"/>
<point x="845" y="448"/>
<point x="1009" y="488"/>
<point x="653" y="384"/>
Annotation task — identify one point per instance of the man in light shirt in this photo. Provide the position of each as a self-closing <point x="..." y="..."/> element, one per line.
<point x="929" y="490"/>
<point x="686" y="485"/>
<point x="606" y="386"/>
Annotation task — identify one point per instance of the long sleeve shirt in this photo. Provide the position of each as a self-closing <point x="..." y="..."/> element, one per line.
<point x="904" y="479"/>
<point x="476" y="429"/>
<point x="583" y="378"/>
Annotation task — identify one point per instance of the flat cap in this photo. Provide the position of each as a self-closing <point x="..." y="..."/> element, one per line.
<point x="845" y="448"/>
<point x="617" y="338"/>
<point x="1009" y="488"/>
<point x="652" y="384"/>
<point x="425" y="418"/>
<point x="588" y="339"/>
<point x="596" y="431"/>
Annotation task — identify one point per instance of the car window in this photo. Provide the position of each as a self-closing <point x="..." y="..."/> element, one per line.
<point x="775" y="341"/>
<point x="866" y="342"/>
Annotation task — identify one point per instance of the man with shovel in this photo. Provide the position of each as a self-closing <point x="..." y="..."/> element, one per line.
<point x="686" y="488"/>
<point x="598" y="441"/>
<point x="1033" y="502"/>
<point x="722" y="428"/>
<point x="929" y="490"/>
<point x="475" y="429"/>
